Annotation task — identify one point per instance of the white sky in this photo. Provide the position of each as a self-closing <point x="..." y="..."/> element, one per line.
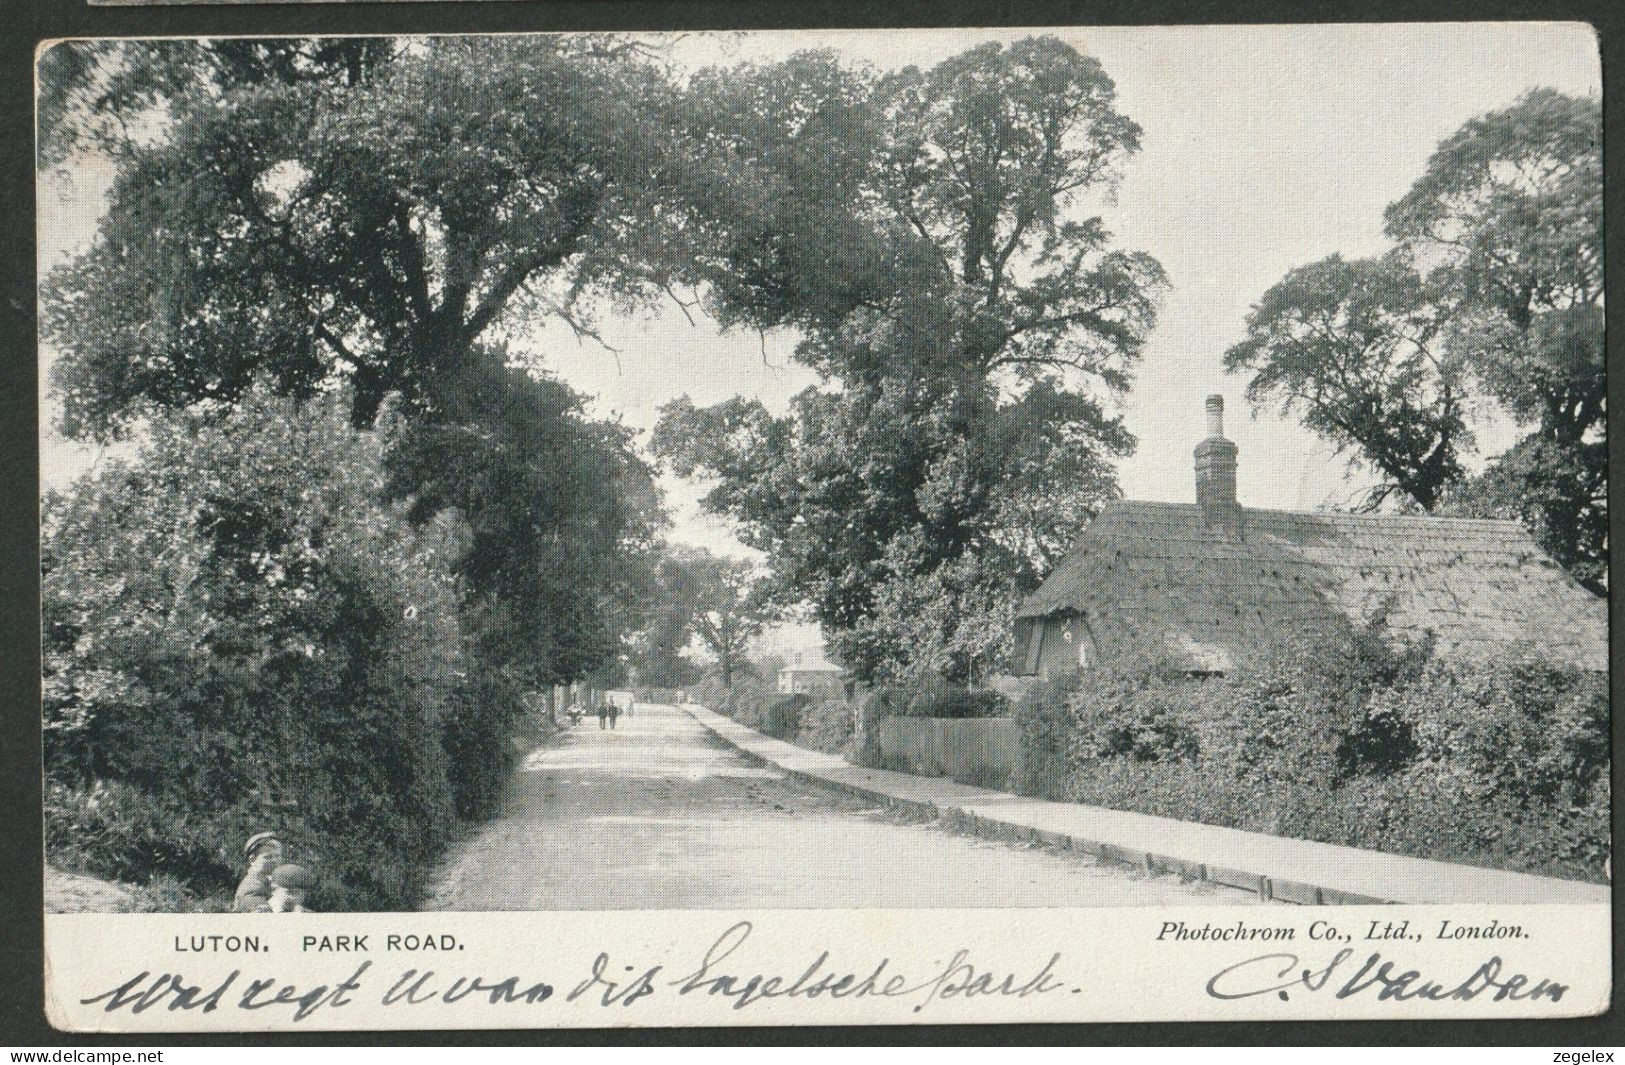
<point x="1264" y="148"/>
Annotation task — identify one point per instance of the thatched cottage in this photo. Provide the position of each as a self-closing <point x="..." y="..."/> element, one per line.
<point x="1205" y="581"/>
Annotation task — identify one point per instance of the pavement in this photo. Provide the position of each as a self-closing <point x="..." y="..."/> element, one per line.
<point x="660" y="813"/>
<point x="1274" y="867"/>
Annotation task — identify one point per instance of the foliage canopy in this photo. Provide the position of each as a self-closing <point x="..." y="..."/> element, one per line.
<point x="1494" y="289"/>
<point x="923" y="232"/>
<point x="313" y="214"/>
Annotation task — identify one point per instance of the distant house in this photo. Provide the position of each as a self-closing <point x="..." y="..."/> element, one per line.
<point x="810" y="673"/>
<point x="1203" y="582"/>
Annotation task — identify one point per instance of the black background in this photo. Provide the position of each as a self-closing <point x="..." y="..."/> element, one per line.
<point x="25" y="23"/>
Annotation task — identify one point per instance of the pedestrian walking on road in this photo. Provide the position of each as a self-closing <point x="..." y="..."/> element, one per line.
<point x="614" y="712"/>
<point x="603" y="714"/>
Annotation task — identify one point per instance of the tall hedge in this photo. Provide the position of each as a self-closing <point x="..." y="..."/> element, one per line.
<point x="239" y="636"/>
<point x="1357" y="740"/>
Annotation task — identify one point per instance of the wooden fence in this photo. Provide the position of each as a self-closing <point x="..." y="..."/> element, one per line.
<point x="984" y="751"/>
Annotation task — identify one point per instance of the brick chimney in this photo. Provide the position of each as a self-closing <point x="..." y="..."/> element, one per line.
<point x="1216" y="470"/>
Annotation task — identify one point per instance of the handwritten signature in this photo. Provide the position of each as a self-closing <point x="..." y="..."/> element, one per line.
<point x="1282" y="974"/>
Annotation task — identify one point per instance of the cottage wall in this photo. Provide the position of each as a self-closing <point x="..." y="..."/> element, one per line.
<point x="1058" y="654"/>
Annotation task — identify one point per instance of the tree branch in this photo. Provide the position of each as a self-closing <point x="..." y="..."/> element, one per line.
<point x="580" y="209"/>
<point x="412" y="260"/>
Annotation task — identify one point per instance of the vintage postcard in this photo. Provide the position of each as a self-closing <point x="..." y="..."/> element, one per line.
<point x="921" y="526"/>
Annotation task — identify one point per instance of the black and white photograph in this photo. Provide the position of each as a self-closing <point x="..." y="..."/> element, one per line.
<point x="1158" y="471"/>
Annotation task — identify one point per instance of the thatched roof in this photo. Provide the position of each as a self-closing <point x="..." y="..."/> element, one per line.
<point x="1145" y="574"/>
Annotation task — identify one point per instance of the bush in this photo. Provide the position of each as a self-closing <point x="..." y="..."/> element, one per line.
<point x="941" y="699"/>
<point x="709" y="693"/>
<point x="781" y="716"/>
<point x="1357" y="741"/>
<point x="1044" y="713"/>
<point x="239" y="636"/>
<point x="821" y="726"/>
<point x="826" y="726"/>
<point x="834" y="725"/>
<point x="478" y="735"/>
<point x="746" y="700"/>
<point x="120" y="832"/>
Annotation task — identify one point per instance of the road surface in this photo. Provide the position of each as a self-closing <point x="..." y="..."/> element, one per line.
<point x="660" y="814"/>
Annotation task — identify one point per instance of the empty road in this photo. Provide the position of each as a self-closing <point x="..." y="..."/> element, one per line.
<point x="660" y="814"/>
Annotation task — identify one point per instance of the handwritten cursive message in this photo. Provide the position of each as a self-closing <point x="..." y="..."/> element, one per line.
<point x="606" y="984"/>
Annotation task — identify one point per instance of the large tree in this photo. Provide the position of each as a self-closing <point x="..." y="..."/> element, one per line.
<point x="307" y="213"/>
<point x="719" y="602"/>
<point x="926" y="215"/>
<point x="1509" y="214"/>
<point x="562" y="516"/>
<point x="928" y="233"/>
<point x="1354" y="348"/>
<point x="1494" y="289"/>
<point x="859" y="496"/>
<point x="378" y="231"/>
